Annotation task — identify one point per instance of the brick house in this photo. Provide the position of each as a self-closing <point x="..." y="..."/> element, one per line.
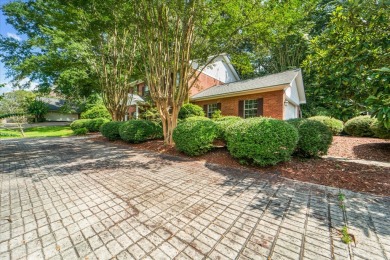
<point x="219" y="87"/>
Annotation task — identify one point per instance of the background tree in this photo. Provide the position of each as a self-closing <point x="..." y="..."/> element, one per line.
<point x="340" y="70"/>
<point x="15" y="106"/>
<point x="76" y="47"/>
<point x="38" y="108"/>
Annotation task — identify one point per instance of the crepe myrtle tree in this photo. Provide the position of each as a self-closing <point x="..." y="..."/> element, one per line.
<point x="176" y="33"/>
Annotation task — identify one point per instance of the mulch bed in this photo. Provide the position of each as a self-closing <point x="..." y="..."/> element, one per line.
<point x="346" y="175"/>
<point x="373" y="149"/>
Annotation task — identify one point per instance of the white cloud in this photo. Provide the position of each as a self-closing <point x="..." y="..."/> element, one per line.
<point x="14" y="36"/>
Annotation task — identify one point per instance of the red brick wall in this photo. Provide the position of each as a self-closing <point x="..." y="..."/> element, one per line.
<point x="203" y="82"/>
<point x="273" y="103"/>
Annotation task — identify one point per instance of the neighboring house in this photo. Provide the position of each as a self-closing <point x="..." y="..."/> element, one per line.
<point x="55" y="113"/>
<point x="219" y="87"/>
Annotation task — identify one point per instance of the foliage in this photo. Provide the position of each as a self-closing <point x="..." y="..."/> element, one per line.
<point x="379" y="100"/>
<point x="16" y="103"/>
<point x="98" y="111"/>
<point x="216" y="114"/>
<point x="359" y="126"/>
<point x="137" y="131"/>
<point x="80" y="123"/>
<point x="196" y="118"/>
<point x="110" y="130"/>
<point x="77" y="47"/>
<point x="189" y="110"/>
<point x="261" y="141"/>
<point x="315" y="138"/>
<point x="223" y="124"/>
<point x="335" y="125"/>
<point x="195" y="137"/>
<point x="150" y="114"/>
<point x="38" y="108"/>
<point x="93" y="125"/>
<point x="341" y="65"/>
<point x="80" y="131"/>
<point x="380" y="130"/>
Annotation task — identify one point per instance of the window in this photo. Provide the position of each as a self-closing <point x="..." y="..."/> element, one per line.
<point x="250" y="108"/>
<point x="211" y="108"/>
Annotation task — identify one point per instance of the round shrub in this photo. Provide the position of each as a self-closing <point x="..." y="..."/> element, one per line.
<point x="80" y="131"/>
<point x="223" y="123"/>
<point x="380" y="130"/>
<point x="80" y="123"/>
<point x="335" y="125"/>
<point x="98" y="111"/>
<point x="189" y="110"/>
<point x="195" y="137"/>
<point x="359" y="126"/>
<point x="93" y="125"/>
<point x="110" y="130"/>
<point x="137" y="131"/>
<point x="315" y="137"/>
<point x="158" y="130"/>
<point x="261" y="141"/>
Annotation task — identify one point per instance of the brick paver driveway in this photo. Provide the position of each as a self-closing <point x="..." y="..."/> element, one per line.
<point x="75" y="198"/>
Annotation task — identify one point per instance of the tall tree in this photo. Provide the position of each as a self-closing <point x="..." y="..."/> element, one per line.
<point x="176" y="33"/>
<point x="341" y="70"/>
<point x="78" y="47"/>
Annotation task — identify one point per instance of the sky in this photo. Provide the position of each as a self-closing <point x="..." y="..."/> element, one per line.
<point x="6" y="30"/>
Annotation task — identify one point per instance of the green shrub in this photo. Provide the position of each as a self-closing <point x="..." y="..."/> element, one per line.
<point x="110" y="130"/>
<point x="216" y="114"/>
<point x="189" y="110"/>
<point x="195" y="137"/>
<point x="315" y="137"/>
<point x="80" y="123"/>
<point x="335" y="125"/>
<point x="223" y="123"/>
<point x="158" y="131"/>
<point x="93" y="125"/>
<point x="196" y="118"/>
<point x="380" y="130"/>
<point x="261" y="141"/>
<point x="80" y="131"/>
<point x="359" y="126"/>
<point x="97" y="111"/>
<point x="137" y="131"/>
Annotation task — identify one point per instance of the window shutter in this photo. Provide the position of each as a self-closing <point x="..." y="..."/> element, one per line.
<point x="205" y="109"/>
<point x="219" y="106"/>
<point x="260" y="107"/>
<point x="143" y="91"/>
<point x="241" y="108"/>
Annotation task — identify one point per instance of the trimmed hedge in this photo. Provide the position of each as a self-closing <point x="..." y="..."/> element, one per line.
<point x="80" y="131"/>
<point x="261" y="141"/>
<point x="223" y="123"/>
<point x="190" y="110"/>
<point x="110" y="130"/>
<point x="315" y="138"/>
<point x="335" y="125"/>
<point x="80" y="123"/>
<point x="380" y="130"/>
<point x="137" y="131"/>
<point x="93" y="125"/>
<point x="195" y="137"/>
<point x="359" y="126"/>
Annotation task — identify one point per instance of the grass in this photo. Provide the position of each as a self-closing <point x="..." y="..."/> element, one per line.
<point x="39" y="131"/>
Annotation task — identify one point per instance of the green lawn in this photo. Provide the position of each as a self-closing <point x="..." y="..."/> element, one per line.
<point x="39" y="131"/>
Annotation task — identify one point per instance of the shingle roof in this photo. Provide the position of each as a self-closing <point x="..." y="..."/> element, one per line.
<point x="55" y="104"/>
<point x="249" y="84"/>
